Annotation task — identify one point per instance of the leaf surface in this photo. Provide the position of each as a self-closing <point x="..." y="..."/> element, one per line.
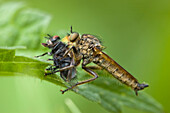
<point x="105" y="91"/>
<point x="22" y="26"/>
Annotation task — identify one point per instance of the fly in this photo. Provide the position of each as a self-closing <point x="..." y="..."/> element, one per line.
<point x="89" y="49"/>
<point x="58" y="49"/>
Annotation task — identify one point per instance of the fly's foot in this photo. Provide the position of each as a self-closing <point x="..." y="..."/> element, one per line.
<point x="47" y="69"/>
<point x="63" y="91"/>
<point x="45" y="74"/>
<point x="50" y="59"/>
<point x="50" y="68"/>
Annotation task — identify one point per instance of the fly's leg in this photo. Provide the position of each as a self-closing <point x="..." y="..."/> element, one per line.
<point x="74" y="53"/>
<point x="50" y="60"/>
<point x="69" y="50"/>
<point x="66" y="53"/>
<point x="51" y="69"/>
<point x="62" y="69"/>
<point x="95" y="76"/>
<point x="42" y="54"/>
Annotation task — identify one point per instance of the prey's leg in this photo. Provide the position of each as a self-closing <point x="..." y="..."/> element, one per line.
<point x="62" y="69"/>
<point x="51" y="68"/>
<point x="50" y="59"/>
<point x="95" y="76"/>
<point x="41" y="55"/>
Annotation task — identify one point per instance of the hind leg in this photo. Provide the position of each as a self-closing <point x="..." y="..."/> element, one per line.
<point x="95" y="76"/>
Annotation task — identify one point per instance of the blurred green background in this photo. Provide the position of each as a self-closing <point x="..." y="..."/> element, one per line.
<point x="136" y="34"/>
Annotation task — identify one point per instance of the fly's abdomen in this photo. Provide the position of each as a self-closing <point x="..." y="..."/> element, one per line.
<point x="118" y="72"/>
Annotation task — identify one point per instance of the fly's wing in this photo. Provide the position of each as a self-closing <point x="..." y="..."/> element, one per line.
<point x="71" y="74"/>
<point x="72" y="71"/>
<point x="64" y="63"/>
<point x="104" y="61"/>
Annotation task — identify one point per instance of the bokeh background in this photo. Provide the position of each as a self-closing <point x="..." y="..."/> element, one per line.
<point x="136" y="34"/>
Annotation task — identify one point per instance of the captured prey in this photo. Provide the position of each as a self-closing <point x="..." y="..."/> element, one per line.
<point x="58" y="49"/>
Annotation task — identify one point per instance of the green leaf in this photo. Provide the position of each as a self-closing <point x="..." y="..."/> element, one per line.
<point x="22" y="26"/>
<point x="105" y="90"/>
<point x="19" y="65"/>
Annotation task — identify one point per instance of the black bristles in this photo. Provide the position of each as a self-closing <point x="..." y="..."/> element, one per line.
<point x="71" y="30"/>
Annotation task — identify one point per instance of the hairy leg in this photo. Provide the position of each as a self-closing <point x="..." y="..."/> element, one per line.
<point x="95" y="76"/>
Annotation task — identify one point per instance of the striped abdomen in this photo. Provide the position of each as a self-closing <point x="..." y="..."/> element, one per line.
<point x="104" y="61"/>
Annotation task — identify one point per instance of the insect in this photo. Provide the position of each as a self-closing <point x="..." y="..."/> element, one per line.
<point x="89" y="49"/>
<point x="58" y="49"/>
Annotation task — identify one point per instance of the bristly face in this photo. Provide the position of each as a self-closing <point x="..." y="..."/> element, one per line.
<point x="52" y="41"/>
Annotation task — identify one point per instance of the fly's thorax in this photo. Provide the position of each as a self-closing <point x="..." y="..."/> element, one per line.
<point x="86" y="45"/>
<point x="92" y="40"/>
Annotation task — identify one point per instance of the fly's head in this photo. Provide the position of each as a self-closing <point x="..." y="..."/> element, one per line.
<point x="72" y="38"/>
<point x="51" y="42"/>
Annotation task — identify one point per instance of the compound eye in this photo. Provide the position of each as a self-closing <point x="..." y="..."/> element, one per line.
<point x="73" y="36"/>
<point x="55" y="38"/>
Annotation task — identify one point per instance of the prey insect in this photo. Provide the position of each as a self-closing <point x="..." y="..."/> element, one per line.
<point x="89" y="49"/>
<point x="64" y="65"/>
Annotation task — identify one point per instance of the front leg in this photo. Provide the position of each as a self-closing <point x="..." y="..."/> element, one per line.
<point x="50" y="68"/>
<point x="43" y="54"/>
<point x="68" y="51"/>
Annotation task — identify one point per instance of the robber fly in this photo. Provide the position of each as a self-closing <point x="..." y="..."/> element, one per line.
<point x="89" y="49"/>
<point x="58" y="49"/>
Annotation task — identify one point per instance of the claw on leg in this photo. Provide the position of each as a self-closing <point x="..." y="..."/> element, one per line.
<point x="62" y="91"/>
